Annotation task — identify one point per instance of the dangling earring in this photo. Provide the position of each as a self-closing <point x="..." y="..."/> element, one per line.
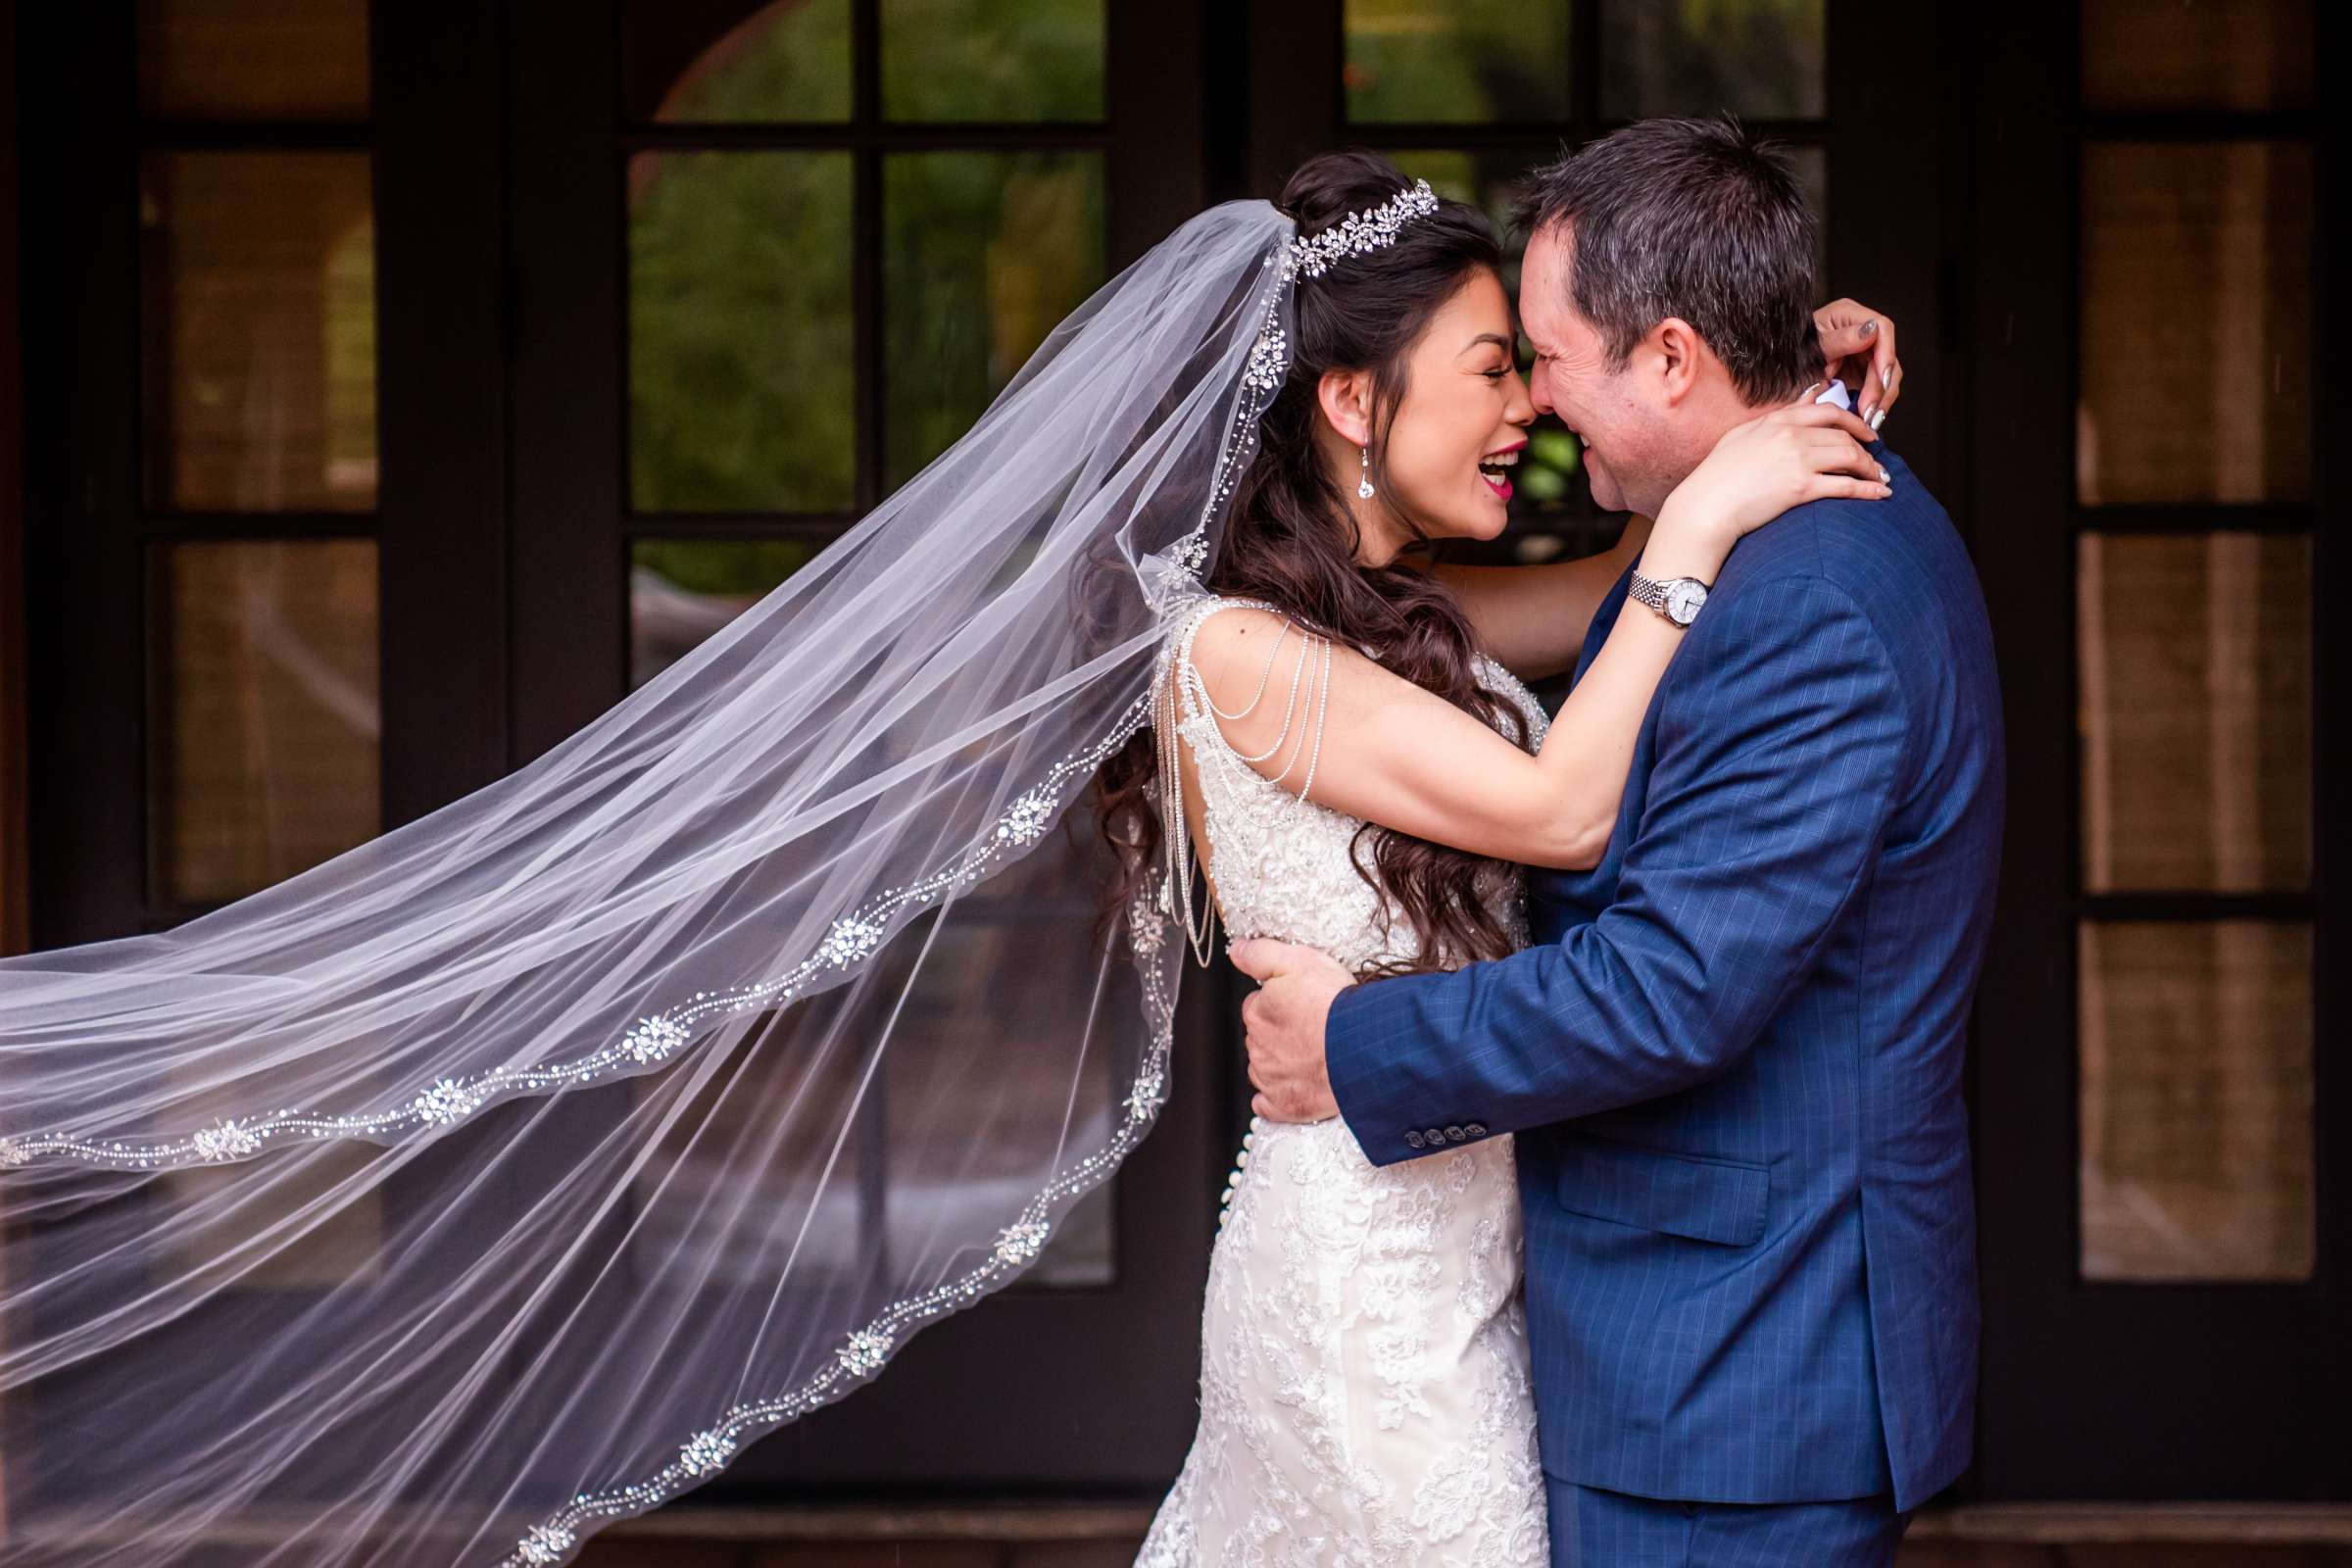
<point x="1363" y="486"/>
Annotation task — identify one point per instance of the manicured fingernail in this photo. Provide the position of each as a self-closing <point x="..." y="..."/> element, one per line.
<point x="1886" y="375"/>
<point x="1815" y="387"/>
<point x="1870" y="327"/>
<point x="1884" y="478"/>
<point x="1878" y="419"/>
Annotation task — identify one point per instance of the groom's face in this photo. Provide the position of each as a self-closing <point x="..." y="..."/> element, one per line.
<point x="1628" y="446"/>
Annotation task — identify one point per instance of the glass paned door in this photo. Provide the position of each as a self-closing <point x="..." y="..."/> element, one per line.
<point x="2160" y="1123"/>
<point x="811" y="322"/>
<point x="2194" y="663"/>
<point x="817" y="240"/>
<point x="257" y="446"/>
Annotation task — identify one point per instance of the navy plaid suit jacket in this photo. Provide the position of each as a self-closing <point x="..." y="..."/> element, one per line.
<point x="1732" y="1058"/>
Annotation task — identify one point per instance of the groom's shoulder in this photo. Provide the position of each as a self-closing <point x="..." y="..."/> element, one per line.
<point x="1899" y="557"/>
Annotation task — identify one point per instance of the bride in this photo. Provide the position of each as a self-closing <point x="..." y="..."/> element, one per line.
<point x="1345" y="736"/>
<point x="512" y="1173"/>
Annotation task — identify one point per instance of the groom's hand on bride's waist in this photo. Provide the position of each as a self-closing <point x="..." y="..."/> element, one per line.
<point x="1285" y="1017"/>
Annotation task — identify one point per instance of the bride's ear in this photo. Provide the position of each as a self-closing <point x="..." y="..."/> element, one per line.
<point x="1346" y="398"/>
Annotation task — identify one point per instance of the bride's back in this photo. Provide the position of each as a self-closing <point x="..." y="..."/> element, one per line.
<point x="1283" y="864"/>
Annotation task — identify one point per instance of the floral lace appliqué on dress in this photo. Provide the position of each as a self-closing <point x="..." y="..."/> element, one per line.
<point x="1364" y="1391"/>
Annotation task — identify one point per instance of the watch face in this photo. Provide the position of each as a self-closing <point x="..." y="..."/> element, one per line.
<point x="1683" y="600"/>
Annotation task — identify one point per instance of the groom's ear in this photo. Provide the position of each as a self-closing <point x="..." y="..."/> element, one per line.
<point x="1346" y="398"/>
<point x="1682" y="354"/>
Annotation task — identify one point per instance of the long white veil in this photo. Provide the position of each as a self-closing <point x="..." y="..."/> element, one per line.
<point x="503" y="1176"/>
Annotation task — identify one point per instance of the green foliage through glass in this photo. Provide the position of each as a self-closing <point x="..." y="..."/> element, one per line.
<point x="741" y="332"/>
<point x="983" y="252"/>
<point x="1457" y="62"/>
<point x="992" y="60"/>
<point x="787" y="63"/>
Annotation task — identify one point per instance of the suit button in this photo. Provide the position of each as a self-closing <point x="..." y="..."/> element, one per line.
<point x="1455" y="1135"/>
<point x="1414" y="1140"/>
<point x="1435" y="1135"/>
<point x="1474" y="1129"/>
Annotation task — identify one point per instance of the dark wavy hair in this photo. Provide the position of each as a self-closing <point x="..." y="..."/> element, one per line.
<point x="1292" y="540"/>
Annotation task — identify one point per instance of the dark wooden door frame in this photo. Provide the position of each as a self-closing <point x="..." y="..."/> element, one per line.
<point x="2103" y="1390"/>
<point x="15" y="839"/>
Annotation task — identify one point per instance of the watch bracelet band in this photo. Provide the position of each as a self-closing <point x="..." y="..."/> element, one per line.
<point x="1652" y="591"/>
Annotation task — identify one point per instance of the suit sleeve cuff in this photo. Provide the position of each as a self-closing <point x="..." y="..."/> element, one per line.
<point x="1352" y="1062"/>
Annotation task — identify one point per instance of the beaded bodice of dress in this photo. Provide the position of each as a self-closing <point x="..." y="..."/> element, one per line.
<point x="1284" y="866"/>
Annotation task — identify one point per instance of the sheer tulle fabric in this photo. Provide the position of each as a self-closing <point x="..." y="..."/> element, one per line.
<point x="508" y="1174"/>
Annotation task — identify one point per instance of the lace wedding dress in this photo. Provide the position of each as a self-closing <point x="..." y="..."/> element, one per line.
<point x="1364" y="1392"/>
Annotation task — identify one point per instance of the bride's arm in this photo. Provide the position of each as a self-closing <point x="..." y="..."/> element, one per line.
<point x="1327" y="720"/>
<point x="1533" y="620"/>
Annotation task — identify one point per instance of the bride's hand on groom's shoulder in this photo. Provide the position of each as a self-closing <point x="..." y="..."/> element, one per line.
<point x="1285" y="1017"/>
<point x="1782" y="458"/>
<point x="1857" y="346"/>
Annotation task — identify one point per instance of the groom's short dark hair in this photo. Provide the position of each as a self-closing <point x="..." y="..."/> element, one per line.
<point x="1692" y="218"/>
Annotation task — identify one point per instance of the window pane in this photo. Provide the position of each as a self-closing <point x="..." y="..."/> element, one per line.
<point x="962" y="1085"/>
<point x="204" y="1230"/>
<point x="2195" y="669"/>
<point x="983" y="252"/>
<point x="742" y="379"/>
<point x="2247" y="54"/>
<point x="2196" y="1101"/>
<point x="786" y="61"/>
<point x="956" y="1042"/>
<point x="265" y="728"/>
<point x="2196" y="324"/>
<point x="1457" y="62"/>
<point x="992" y="60"/>
<point x="682" y="590"/>
<point x="1753" y="57"/>
<point x="253" y="59"/>
<point x="259" y="331"/>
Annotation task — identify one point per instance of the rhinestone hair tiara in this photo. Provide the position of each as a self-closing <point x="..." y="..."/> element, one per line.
<point x="1359" y="233"/>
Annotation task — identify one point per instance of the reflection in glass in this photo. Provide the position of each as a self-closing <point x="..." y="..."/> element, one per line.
<point x="2247" y="54"/>
<point x="951" y="1059"/>
<point x="1752" y="57"/>
<point x="786" y="61"/>
<point x="2195" y="669"/>
<point x="265" y="728"/>
<point x="259" y="341"/>
<point x="2196" y="324"/>
<point x="992" y="60"/>
<point x="327" y="1228"/>
<point x="682" y="590"/>
<point x="2196" y="1101"/>
<point x="1457" y="62"/>
<point x="741" y="370"/>
<point x="983" y="252"/>
<point x="944" y="1136"/>
<point x="253" y="59"/>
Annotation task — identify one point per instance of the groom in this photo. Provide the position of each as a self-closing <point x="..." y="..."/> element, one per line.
<point x="1732" y="1058"/>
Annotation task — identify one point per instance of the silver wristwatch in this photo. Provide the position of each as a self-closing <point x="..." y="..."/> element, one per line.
<point x="1678" y="599"/>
